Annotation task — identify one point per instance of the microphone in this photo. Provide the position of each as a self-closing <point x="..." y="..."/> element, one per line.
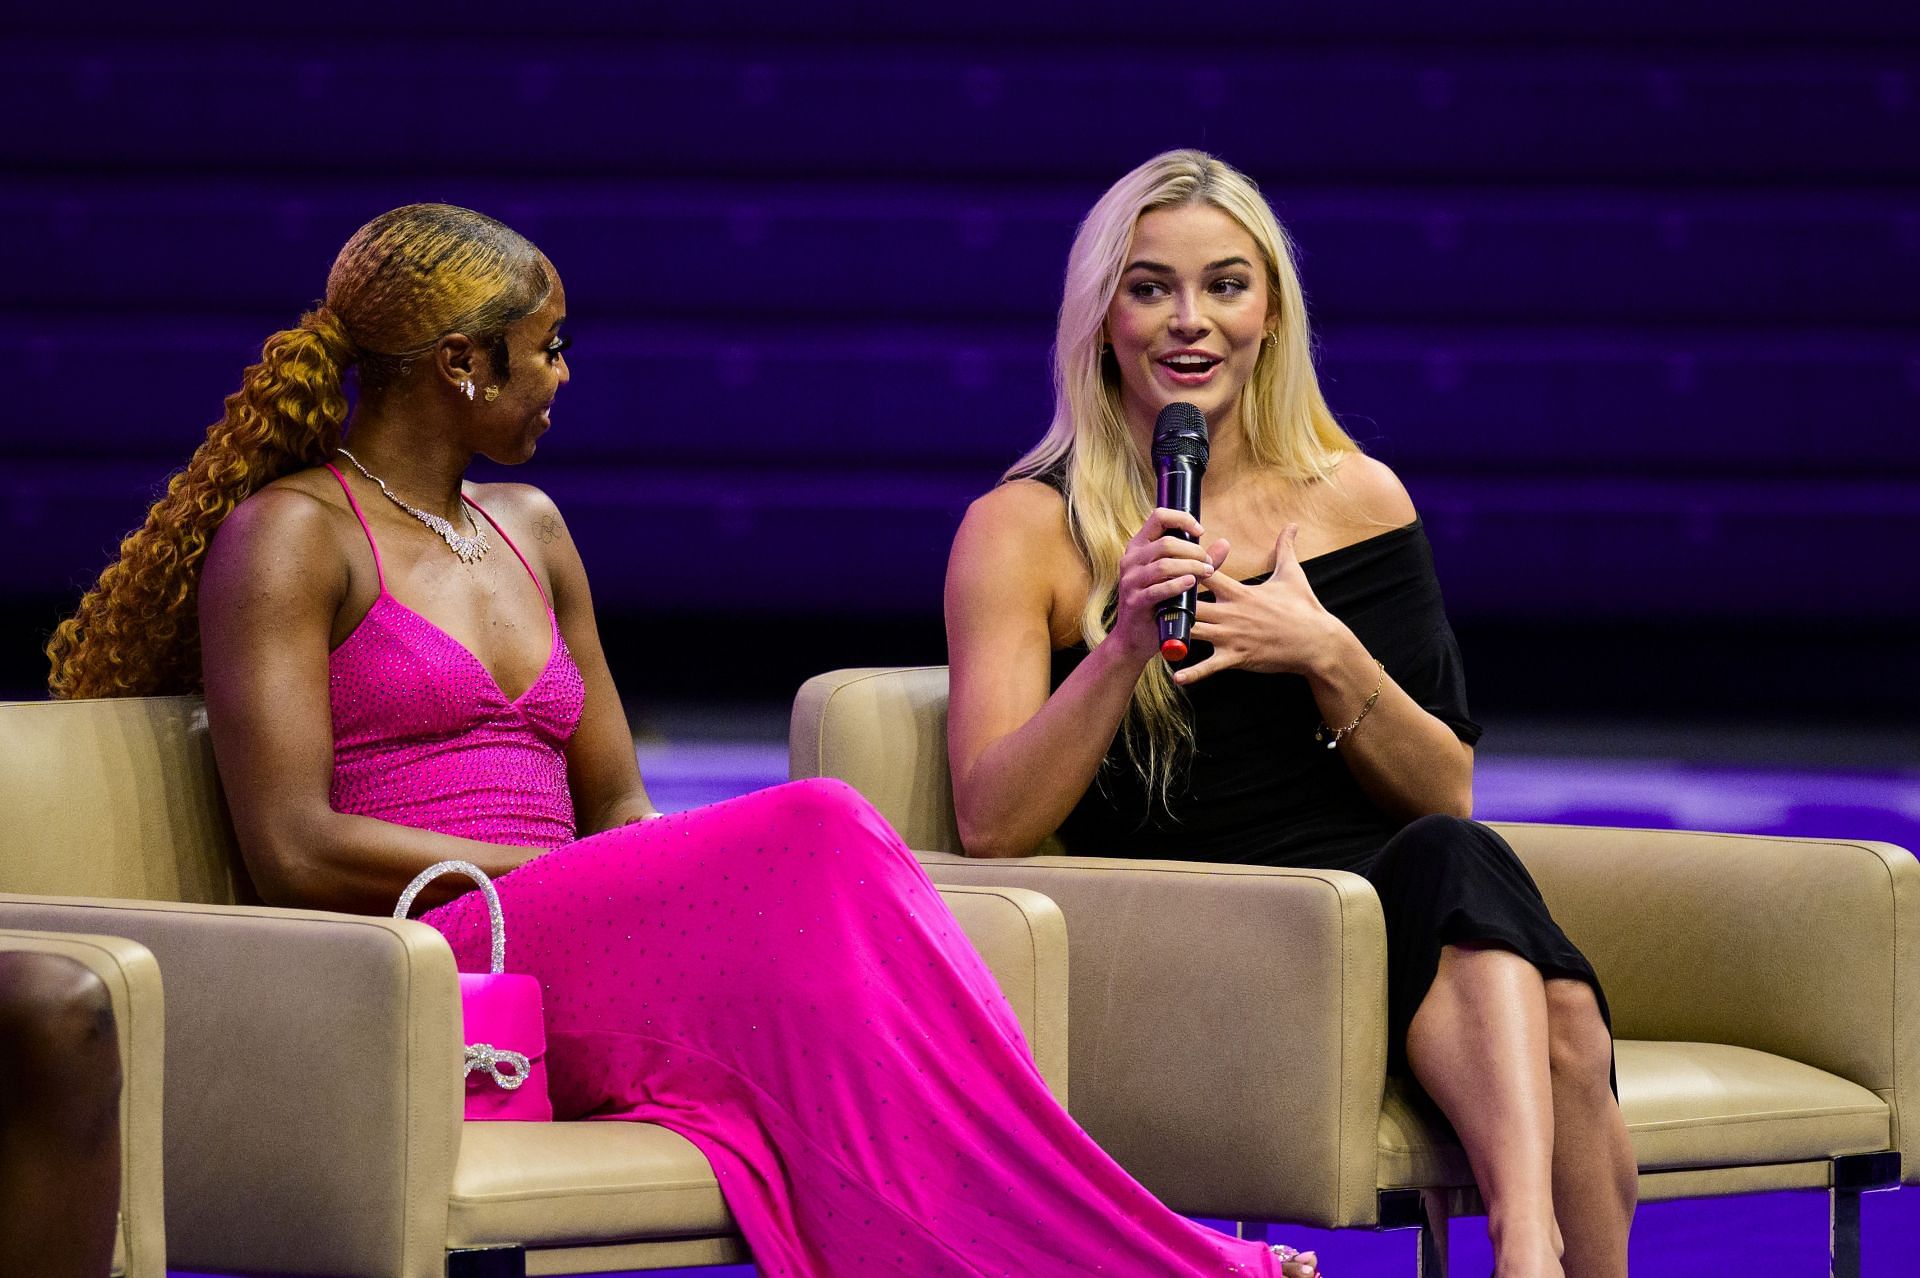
<point x="1180" y="455"/>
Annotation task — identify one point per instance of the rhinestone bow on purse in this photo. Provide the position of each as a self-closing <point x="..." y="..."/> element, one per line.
<point x="505" y="1070"/>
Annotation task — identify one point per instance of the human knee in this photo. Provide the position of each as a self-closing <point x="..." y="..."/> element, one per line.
<point x="1626" y="1181"/>
<point x="1429" y="843"/>
<point x="1579" y="1047"/>
<point x="1438" y="827"/>
<point x="825" y="802"/>
<point x="56" y="1024"/>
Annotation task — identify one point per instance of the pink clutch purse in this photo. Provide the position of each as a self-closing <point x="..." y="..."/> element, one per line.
<point x="503" y="1023"/>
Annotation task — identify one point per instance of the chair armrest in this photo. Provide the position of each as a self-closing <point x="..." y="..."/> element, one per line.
<point x="1806" y="948"/>
<point x="132" y="980"/>
<point x="882" y="730"/>
<point x="1023" y="938"/>
<point x="1227" y="1027"/>
<point x="313" y="1099"/>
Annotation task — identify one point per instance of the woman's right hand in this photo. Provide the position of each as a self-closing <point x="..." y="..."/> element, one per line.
<point x="1155" y="567"/>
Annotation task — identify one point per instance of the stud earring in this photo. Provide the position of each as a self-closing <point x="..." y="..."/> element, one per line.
<point x="466" y="388"/>
<point x="492" y="393"/>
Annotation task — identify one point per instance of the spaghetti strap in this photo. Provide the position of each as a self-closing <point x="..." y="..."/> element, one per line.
<point x="373" y="545"/>
<point x="510" y="546"/>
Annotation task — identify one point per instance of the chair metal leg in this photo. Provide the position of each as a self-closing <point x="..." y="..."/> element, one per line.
<point x="487" y="1262"/>
<point x="1432" y="1262"/>
<point x="1843" y="1234"/>
<point x="1425" y="1214"/>
<point x="1434" y="1224"/>
<point x="1853" y="1175"/>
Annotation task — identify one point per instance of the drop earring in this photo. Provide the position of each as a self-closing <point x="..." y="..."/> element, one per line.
<point x="466" y="388"/>
<point x="492" y="393"/>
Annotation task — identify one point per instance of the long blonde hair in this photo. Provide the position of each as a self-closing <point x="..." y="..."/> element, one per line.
<point x="404" y="280"/>
<point x="1109" y="486"/>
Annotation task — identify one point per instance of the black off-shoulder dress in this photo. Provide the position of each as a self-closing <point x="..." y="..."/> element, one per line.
<point x="1261" y="791"/>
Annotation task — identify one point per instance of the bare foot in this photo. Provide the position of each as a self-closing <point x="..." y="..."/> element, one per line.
<point x="1297" y="1264"/>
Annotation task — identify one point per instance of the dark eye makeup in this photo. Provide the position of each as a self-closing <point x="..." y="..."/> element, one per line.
<point x="1230" y="285"/>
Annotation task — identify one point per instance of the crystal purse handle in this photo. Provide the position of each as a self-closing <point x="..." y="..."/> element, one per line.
<point x="482" y="1056"/>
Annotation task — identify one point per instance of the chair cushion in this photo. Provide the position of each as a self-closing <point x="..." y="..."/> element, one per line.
<point x="1710" y="1104"/>
<point x="1686" y="1104"/>
<point x="554" y="1184"/>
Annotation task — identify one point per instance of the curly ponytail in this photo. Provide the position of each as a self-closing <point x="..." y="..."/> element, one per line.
<point x="403" y="281"/>
<point x="136" y="633"/>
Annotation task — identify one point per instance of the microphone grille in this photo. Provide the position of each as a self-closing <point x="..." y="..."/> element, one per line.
<point x="1180" y="431"/>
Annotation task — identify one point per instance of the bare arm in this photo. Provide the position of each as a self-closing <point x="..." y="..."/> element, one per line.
<point x="274" y="580"/>
<point x="1022" y="758"/>
<point x="1405" y="759"/>
<point x="602" y="771"/>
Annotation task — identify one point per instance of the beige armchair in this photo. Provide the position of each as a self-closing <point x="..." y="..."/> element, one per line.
<point x="132" y="981"/>
<point x="1764" y="993"/>
<point x="313" y="1107"/>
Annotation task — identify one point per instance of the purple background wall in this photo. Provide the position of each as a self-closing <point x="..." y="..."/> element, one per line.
<point x="1631" y="297"/>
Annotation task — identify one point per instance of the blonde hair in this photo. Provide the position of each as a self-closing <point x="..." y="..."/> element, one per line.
<point x="405" y="280"/>
<point x="1109" y="486"/>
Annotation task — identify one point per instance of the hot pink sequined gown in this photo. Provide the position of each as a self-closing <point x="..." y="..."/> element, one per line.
<point x="772" y="977"/>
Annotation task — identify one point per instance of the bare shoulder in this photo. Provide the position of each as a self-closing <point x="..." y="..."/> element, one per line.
<point x="1372" y="494"/>
<point x="533" y="520"/>
<point x="521" y="500"/>
<point x="286" y="540"/>
<point x="1014" y="548"/>
<point x="290" y="515"/>
<point x="530" y="516"/>
<point x="1024" y="515"/>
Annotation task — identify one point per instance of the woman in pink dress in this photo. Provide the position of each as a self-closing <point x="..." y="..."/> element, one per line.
<point x="401" y="668"/>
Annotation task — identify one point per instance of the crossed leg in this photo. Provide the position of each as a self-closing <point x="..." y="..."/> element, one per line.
<point x="1519" y="1065"/>
<point x="1595" y="1179"/>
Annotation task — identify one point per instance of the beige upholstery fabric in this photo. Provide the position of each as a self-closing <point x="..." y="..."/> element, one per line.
<point x="114" y="798"/>
<point x="313" y="1113"/>
<point x="1763" y="991"/>
<point x="1803" y="948"/>
<point x="1223" y="1022"/>
<point x="1687" y="1105"/>
<point x="313" y="1099"/>
<point x="1711" y="1104"/>
<point x="839" y="721"/>
<point x="564" y="1184"/>
<point x="132" y="978"/>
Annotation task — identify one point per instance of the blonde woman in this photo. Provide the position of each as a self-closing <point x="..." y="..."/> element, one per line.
<point x="1321" y="718"/>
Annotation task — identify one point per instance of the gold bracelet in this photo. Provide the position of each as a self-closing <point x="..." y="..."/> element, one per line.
<point x="1332" y="735"/>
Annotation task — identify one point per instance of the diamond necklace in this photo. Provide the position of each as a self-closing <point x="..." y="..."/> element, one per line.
<point x="470" y="549"/>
